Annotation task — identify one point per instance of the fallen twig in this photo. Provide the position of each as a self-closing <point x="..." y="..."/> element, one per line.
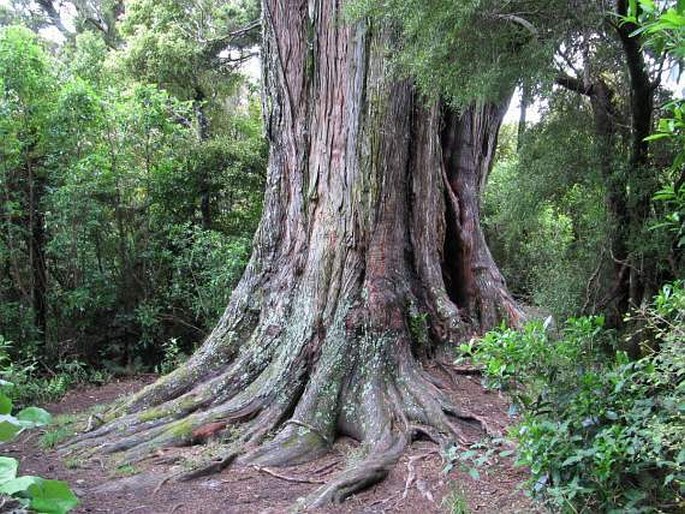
<point x="326" y="468"/>
<point x="411" y="476"/>
<point x="288" y="478"/>
<point x="164" y="481"/>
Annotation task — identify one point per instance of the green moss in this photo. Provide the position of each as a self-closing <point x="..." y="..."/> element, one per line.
<point x="305" y="437"/>
<point x="126" y="470"/>
<point x="182" y="429"/>
<point x="153" y="414"/>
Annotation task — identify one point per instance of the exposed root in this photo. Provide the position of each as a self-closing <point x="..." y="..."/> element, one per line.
<point x="370" y="471"/>
<point x="411" y="476"/>
<point x="162" y="482"/>
<point x="208" y="469"/>
<point x="384" y="403"/>
<point x="326" y="468"/>
<point x="293" y="445"/>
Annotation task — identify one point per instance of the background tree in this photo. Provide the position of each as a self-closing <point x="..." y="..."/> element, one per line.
<point x="118" y="210"/>
<point x="28" y="89"/>
<point x="193" y="49"/>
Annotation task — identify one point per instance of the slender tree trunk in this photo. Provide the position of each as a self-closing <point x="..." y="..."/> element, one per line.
<point x="523" y="112"/>
<point x="369" y="253"/>
<point x="36" y="221"/>
<point x="203" y="178"/>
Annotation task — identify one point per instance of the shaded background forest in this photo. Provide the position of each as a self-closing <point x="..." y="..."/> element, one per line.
<point x="132" y="177"/>
<point x="132" y="168"/>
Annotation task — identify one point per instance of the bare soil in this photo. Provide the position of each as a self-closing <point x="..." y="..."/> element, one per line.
<point x="417" y="484"/>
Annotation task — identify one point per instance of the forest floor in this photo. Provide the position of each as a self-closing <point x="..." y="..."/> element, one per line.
<point x="417" y="484"/>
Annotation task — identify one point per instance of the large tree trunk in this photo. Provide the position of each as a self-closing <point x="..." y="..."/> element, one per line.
<point x="369" y="253"/>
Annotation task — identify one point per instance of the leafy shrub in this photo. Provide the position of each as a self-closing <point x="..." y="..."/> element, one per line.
<point x="31" y="384"/>
<point x="599" y="432"/>
<point x="147" y="226"/>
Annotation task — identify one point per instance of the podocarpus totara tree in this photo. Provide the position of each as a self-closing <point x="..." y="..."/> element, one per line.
<point x="368" y="256"/>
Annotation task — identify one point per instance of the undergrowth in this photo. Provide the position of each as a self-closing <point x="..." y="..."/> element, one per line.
<point x="598" y="431"/>
<point x="36" y="383"/>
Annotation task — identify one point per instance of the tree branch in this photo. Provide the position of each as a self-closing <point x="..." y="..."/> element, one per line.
<point x="49" y="9"/>
<point x="513" y="18"/>
<point x="573" y="84"/>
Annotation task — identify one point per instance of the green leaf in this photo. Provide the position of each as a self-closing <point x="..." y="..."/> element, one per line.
<point x="8" y="469"/>
<point x="34" y="417"/>
<point x="52" y="497"/>
<point x="658" y="135"/>
<point x="572" y="460"/>
<point x="473" y="473"/>
<point x="18" y="485"/>
<point x="5" y="404"/>
<point x="9" y="428"/>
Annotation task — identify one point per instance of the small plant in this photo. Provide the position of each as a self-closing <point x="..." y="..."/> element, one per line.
<point x="173" y="356"/>
<point x="11" y="426"/>
<point x="126" y="470"/>
<point x="456" y="503"/>
<point x="36" y="493"/>
<point x="51" y="438"/>
<point x="478" y="456"/>
<point x="418" y="328"/>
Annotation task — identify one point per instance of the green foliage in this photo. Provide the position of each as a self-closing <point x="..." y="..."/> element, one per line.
<point x="51" y="438"/>
<point x="663" y="28"/>
<point x="467" y="51"/>
<point x="673" y="220"/>
<point x="28" y="385"/>
<point x="38" y="494"/>
<point x="178" y="44"/>
<point x="544" y="213"/>
<point x="475" y="458"/>
<point x="600" y="433"/>
<point x="13" y="425"/>
<point x="173" y="357"/>
<point x="132" y="260"/>
<point x="661" y="23"/>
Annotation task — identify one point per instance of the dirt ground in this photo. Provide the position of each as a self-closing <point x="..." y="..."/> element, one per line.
<point x="417" y="484"/>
